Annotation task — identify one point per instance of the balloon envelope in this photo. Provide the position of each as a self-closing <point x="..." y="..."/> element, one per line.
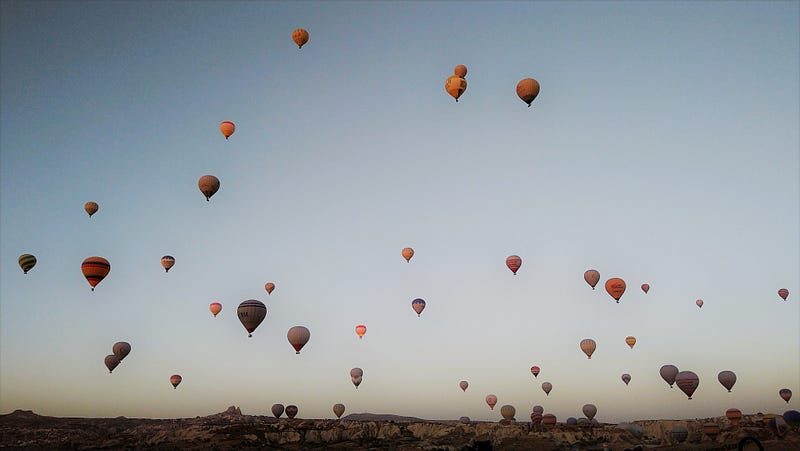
<point x="699" y="303"/>
<point x="300" y="37"/>
<point x="514" y="262"/>
<point x="547" y="386"/>
<point x="645" y="288"/>
<point x="407" y="253"/>
<point x="727" y="379"/>
<point x="668" y="373"/>
<point x="167" y="262"/>
<point x="361" y="330"/>
<point x="215" y="308"/>
<point x="460" y="71"/>
<point x="208" y="185"/>
<point x="679" y="433"/>
<point x="792" y="418"/>
<point x="175" y="379"/>
<point x="251" y="313"/>
<point x="491" y="400"/>
<point x="538" y="409"/>
<point x="786" y="394"/>
<point x="95" y="269"/>
<point x="418" y="305"/>
<point x="455" y="86"/>
<point x="734" y="415"/>
<point x="615" y="287"/>
<point x="26" y="262"/>
<point x="298" y="336"/>
<point x="277" y="410"/>
<point x="91" y="208"/>
<point x="536" y="417"/>
<point x="121" y="349"/>
<point x="626" y="378"/>
<point x="527" y="90"/>
<point x="549" y="419"/>
<point x="227" y="128"/>
<point x="687" y="381"/>
<point x="356" y="374"/>
<point x="269" y="286"/>
<point x="291" y="411"/>
<point x="508" y="411"/>
<point x="630" y="340"/>
<point x="111" y="362"/>
<point x="535" y="370"/>
<point x="588" y="346"/>
<point x="783" y="293"/>
<point x="463" y="385"/>
<point x="338" y="410"/>
<point x="591" y="277"/>
<point x="590" y="411"/>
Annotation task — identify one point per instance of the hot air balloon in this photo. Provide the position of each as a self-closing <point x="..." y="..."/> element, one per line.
<point x="26" y="262"/>
<point x="590" y="411"/>
<point x="418" y="305"/>
<point x="91" y="208"/>
<point x="588" y="346"/>
<point x="535" y="371"/>
<point x="355" y="376"/>
<point x="527" y="90"/>
<point x="547" y="386"/>
<point x="792" y="418"/>
<point x="338" y="410"/>
<point x="227" y="128"/>
<point x="95" y="269"/>
<point x="538" y="409"/>
<point x="167" y="262"/>
<point x="298" y="337"/>
<point x="572" y="421"/>
<point x="711" y="429"/>
<point x="699" y="303"/>
<point x="291" y="411"/>
<point x="536" y="417"/>
<point x="591" y="277"/>
<point x="783" y="293"/>
<point x="668" y="373"/>
<point x="121" y="349"/>
<point x="300" y="37"/>
<point x="630" y="340"/>
<point x="460" y="71"/>
<point x="734" y="415"/>
<point x="277" y="410"/>
<point x="645" y="288"/>
<point x="679" y="433"/>
<point x="491" y="400"/>
<point x="408" y="253"/>
<point x="361" y="330"/>
<point x="269" y="286"/>
<point x="215" y="308"/>
<point x="615" y="287"/>
<point x="175" y="379"/>
<point x="727" y="379"/>
<point x="111" y="362"/>
<point x="786" y="394"/>
<point x="251" y="313"/>
<point x="208" y="185"/>
<point x="549" y="419"/>
<point x="455" y="86"/>
<point x="687" y="381"/>
<point x="463" y="385"/>
<point x="508" y="411"/>
<point x="513" y="262"/>
<point x="464" y="420"/>
<point x="626" y="378"/>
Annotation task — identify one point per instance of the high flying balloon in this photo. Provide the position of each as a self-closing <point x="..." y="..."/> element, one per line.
<point x="361" y="330"/>
<point x="785" y="394"/>
<point x="215" y="308"/>
<point x="527" y="90"/>
<point x="175" y="380"/>
<point x="407" y="253"/>
<point x="95" y="269"/>
<point x="687" y="381"/>
<point x="460" y="71"/>
<point x="626" y="378"/>
<point x="356" y="374"/>
<point x="699" y="303"/>
<point x="514" y="262"/>
<point x="269" y="286"/>
<point x="338" y="410"/>
<point x="227" y="128"/>
<point x="668" y="373"/>
<point x="535" y="370"/>
<point x="111" y="362"/>
<point x="251" y="313"/>
<point x="121" y="349"/>
<point x="615" y="287"/>
<point x="91" y="208"/>
<point x="455" y="86"/>
<point x="491" y="400"/>
<point x="463" y="385"/>
<point x="208" y="185"/>
<point x="630" y="340"/>
<point x="645" y="288"/>
<point x="783" y="293"/>
<point x="591" y="277"/>
<point x="547" y="387"/>
<point x="26" y="262"/>
<point x="588" y="346"/>
<point x="298" y="336"/>
<point x="727" y="379"/>
<point x="167" y="262"/>
<point x="300" y="37"/>
<point x="418" y="305"/>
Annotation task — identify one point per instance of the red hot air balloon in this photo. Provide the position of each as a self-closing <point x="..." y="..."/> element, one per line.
<point x="111" y="362"/>
<point x="95" y="269"/>
<point x="167" y="262"/>
<point x="783" y="293"/>
<point x="175" y="379"/>
<point x="591" y="277"/>
<point x="535" y="370"/>
<point x="727" y="379"/>
<point x="588" y="346"/>
<point x="668" y="373"/>
<point x="361" y="330"/>
<point x="215" y="308"/>
<point x="734" y="415"/>
<point x="785" y="394"/>
<point x="645" y="288"/>
<point x="298" y="336"/>
<point x="418" y="305"/>
<point x="699" y="303"/>
<point x="687" y="381"/>
<point x="463" y="385"/>
<point x="514" y="262"/>
<point x="615" y="287"/>
<point x="491" y="400"/>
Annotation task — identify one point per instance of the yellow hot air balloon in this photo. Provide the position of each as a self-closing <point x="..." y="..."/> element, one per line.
<point x="630" y="340"/>
<point x="227" y="128"/>
<point x="208" y="185"/>
<point x="300" y="37"/>
<point x="91" y="208"/>
<point x="455" y="86"/>
<point x="527" y="90"/>
<point x="408" y="253"/>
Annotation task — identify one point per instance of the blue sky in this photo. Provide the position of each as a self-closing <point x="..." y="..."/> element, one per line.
<point x="663" y="148"/>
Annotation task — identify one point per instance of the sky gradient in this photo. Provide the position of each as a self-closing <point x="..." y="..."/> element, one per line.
<point x="663" y="148"/>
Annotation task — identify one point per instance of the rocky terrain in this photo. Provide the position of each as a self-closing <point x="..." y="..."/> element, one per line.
<point x="232" y="430"/>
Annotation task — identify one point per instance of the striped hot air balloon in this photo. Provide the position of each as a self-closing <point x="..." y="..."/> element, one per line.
<point x="361" y="330"/>
<point x="733" y="415"/>
<point x="688" y="382"/>
<point x="783" y="293"/>
<point x="251" y="313"/>
<point x="300" y="37"/>
<point x="26" y="262"/>
<point x="95" y="269"/>
<point x="514" y="262"/>
<point x="167" y="262"/>
<point x="588" y="346"/>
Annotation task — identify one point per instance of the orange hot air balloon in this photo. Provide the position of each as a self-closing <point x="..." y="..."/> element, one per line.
<point x="208" y="185"/>
<point x="491" y="400"/>
<point x="167" y="262"/>
<point x="630" y="340"/>
<point x="514" y="262"/>
<point x="783" y="293"/>
<point x="91" y="208"/>
<point x="408" y="253"/>
<point x="298" y="336"/>
<point x="527" y="90"/>
<point x="588" y="346"/>
<point x="175" y="379"/>
<point x="645" y="288"/>
<point x="300" y="37"/>
<point x="361" y="330"/>
<point x="615" y="287"/>
<point x="591" y="277"/>
<point x="734" y="415"/>
<point x="460" y="71"/>
<point x="455" y="86"/>
<point x="95" y="269"/>
<point x="215" y="308"/>
<point x="463" y="385"/>
<point x="269" y="286"/>
<point x="227" y="128"/>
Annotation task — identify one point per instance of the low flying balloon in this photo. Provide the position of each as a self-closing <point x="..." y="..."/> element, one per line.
<point x="460" y="71"/>
<point x="491" y="400"/>
<point x="615" y="287"/>
<point x="175" y="379"/>
<point x="111" y="362"/>
<point x="227" y="128"/>
<point x="208" y="185"/>
<point x="269" y="286"/>
<point x="538" y="409"/>
<point x="588" y="346"/>
<point x="361" y="330"/>
<point x="792" y="418"/>
<point x="251" y="313"/>
<point x="277" y="410"/>
<point x="547" y="386"/>
<point x="95" y="269"/>
<point x="786" y="394"/>
<point x="549" y="419"/>
<point x="630" y="340"/>
<point x="121" y="349"/>
<point x="418" y="305"/>
<point x="626" y="378"/>
<point x="291" y="411"/>
<point x="338" y="410"/>
<point x="407" y="253"/>
<point x="711" y="429"/>
<point x="572" y="421"/>
<point x="668" y="373"/>
<point x="536" y="417"/>
<point x="645" y="288"/>
<point x="298" y="336"/>
<point x="699" y="303"/>
<point x="590" y="411"/>
<point x="687" y="381"/>
<point x="91" y="208"/>
<point x="167" y="262"/>
<point x="727" y="379"/>
<point x="215" y="308"/>
<point x="591" y="277"/>
<point x="455" y="86"/>
<point x="356" y="374"/>
<point x="783" y="293"/>
<point x="508" y="411"/>
<point x="514" y="262"/>
<point x="300" y="37"/>
<point x="463" y="385"/>
<point x="26" y="262"/>
<point x="535" y="370"/>
<point x="734" y="415"/>
<point x="527" y="90"/>
<point x="679" y="433"/>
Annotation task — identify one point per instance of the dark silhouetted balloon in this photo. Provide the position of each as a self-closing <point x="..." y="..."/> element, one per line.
<point x="121" y="349"/>
<point x="783" y="293"/>
<point x="208" y="185"/>
<point x="291" y="411"/>
<point x="418" y="305"/>
<point x="727" y="379"/>
<point x="111" y="362"/>
<point x="687" y="381"/>
<point x="26" y="262"/>
<point x="95" y="269"/>
<point x="463" y="385"/>
<point x="251" y="313"/>
<point x="626" y="378"/>
<point x="356" y="374"/>
<point x="668" y="373"/>
<point x="645" y="288"/>
<point x="338" y="410"/>
<point x="786" y="394"/>
<point x="277" y="410"/>
<point x="175" y="379"/>
<point x="298" y="336"/>
<point x="590" y="411"/>
<point x="547" y="387"/>
<point x="535" y="370"/>
<point x="91" y="208"/>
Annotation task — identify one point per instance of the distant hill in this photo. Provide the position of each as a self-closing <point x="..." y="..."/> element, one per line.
<point x="382" y="417"/>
